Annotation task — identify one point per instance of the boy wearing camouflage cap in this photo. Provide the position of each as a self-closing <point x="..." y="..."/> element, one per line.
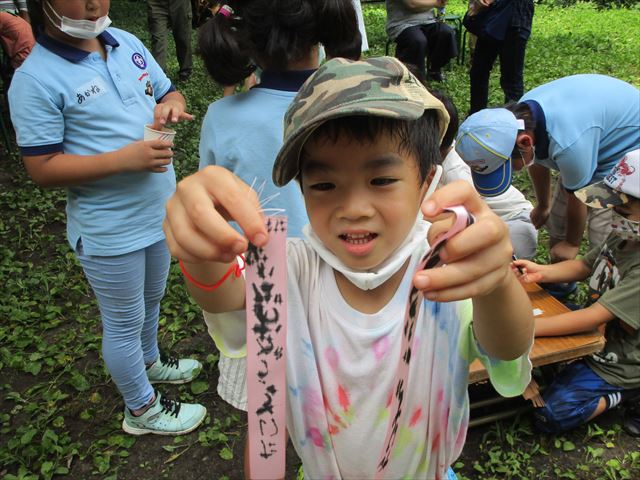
<point x="362" y="139"/>
<point x="586" y="388"/>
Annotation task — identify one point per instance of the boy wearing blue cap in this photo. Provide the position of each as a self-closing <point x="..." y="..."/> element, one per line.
<point x="587" y="388"/>
<point x="510" y="205"/>
<point x="580" y="126"/>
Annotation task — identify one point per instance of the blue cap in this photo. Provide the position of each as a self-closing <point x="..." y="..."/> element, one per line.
<point x="485" y="142"/>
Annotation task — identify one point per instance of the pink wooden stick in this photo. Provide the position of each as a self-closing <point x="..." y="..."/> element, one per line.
<point x="266" y="306"/>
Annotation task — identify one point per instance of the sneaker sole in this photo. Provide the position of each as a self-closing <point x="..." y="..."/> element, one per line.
<point x="174" y="382"/>
<point x="180" y="381"/>
<point x="143" y="431"/>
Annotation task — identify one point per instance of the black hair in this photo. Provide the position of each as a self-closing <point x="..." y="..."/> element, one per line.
<point x="415" y="137"/>
<point x="273" y="34"/>
<point x="36" y="16"/>
<point x="352" y="51"/>
<point x="454" y="121"/>
<point x="522" y="112"/>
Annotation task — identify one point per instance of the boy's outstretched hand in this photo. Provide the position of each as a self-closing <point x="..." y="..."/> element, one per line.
<point x="477" y="259"/>
<point x="196" y="224"/>
<point x="531" y="271"/>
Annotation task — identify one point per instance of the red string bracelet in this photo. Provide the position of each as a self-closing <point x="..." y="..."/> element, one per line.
<point x="235" y="269"/>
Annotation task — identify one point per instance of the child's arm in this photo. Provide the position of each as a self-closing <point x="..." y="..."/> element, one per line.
<point x="584" y="320"/>
<point x="567" y="271"/>
<point x="61" y="169"/>
<point x="478" y="267"/>
<point x="198" y="233"/>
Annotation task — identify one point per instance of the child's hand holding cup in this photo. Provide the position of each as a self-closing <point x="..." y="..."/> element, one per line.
<point x="164" y="133"/>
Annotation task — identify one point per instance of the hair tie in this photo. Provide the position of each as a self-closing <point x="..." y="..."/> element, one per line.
<point x="226" y="11"/>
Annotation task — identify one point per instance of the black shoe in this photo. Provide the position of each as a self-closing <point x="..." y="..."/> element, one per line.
<point x="435" y="76"/>
<point x="631" y="420"/>
<point x="184" y="76"/>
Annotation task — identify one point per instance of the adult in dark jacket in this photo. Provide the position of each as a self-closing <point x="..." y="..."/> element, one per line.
<point x="510" y="48"/>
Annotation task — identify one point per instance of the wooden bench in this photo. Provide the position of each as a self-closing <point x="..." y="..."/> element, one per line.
<point x="548" y="350"/>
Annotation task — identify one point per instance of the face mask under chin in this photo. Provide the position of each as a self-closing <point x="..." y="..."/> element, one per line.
<point x="81" y="29"/>
<point x="624" y="228"/>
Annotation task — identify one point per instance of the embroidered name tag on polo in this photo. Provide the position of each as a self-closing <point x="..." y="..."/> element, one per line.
<point x="91" y="90"/>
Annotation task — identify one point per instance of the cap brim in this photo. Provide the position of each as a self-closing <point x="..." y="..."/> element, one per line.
<point x="287" y="164"/>
<point x="494" y="183"/>
<point x="601" y="195"/>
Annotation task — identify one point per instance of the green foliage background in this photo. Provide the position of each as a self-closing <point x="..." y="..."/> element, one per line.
<point x="59" y="413"/>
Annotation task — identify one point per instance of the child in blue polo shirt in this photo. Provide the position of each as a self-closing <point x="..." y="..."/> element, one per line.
<point x="79" y="104"/>
<point x="243" y="132"/>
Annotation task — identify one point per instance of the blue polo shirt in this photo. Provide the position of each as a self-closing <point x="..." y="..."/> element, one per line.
<point x="68" y="100"/>
<point x="585" y="124"/>
<point x="244" y="133"/>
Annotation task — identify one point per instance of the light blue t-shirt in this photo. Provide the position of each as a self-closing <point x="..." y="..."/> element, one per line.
<point x="591" y="122"/>
<point x="244" y="133"/>
<point x="67" y="100"/>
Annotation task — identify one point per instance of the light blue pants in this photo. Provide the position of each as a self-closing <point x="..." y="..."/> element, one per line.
<point x="129" y="288"/>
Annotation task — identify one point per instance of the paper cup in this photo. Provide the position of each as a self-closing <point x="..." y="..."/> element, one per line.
<point x="164" y="134"/>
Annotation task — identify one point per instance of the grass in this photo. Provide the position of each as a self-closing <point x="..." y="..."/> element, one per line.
<point x="59" y="413"/>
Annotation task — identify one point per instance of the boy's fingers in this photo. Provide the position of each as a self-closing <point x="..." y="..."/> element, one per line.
<point x="475" y="238"/>
<point x="455" y="193"/>
<point x="466" y="271"/>
<point x="473" y="288"/>
<point x="175" y="249"/>
<point x="235" y="197"/>
<point x="188" y="238"/>
<point x="439" y="225"/>
<point x="244" y="207"/>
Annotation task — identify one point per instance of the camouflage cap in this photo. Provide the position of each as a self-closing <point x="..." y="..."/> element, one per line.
<point x="621" y="184"/>
<point x="379" y="86"/>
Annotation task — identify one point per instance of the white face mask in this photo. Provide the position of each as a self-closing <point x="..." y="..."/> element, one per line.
<point x="368" y="280"/>
<point x="83" y="29"/>
<point x="625" y="228"/>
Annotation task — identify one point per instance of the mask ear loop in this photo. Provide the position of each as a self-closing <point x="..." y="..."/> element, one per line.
<point x="435" y="181"/>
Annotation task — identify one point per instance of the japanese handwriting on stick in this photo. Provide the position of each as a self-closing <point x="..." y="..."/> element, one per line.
<point x="266" y="288"/>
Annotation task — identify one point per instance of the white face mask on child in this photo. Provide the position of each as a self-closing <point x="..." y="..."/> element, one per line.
<point x="624" y="228"/>
<point x="368" y="280"/>
<point x="83" y="29"/>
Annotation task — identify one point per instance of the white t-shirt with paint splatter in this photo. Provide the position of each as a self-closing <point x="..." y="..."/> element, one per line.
<point x="341" y="366"/>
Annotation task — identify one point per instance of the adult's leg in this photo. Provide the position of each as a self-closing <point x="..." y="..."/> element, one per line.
<point x="118" y="283"/>
<point x="598" y="225"/>
<point x="442" y="45"/>
<point x="158" y="17"/>
<point x="412" y="48"/>
<point x="512" y="52"/>
<point x="557" y="222"/>
<point x="524" y="236"/>
<point x="156" y="270"/>
<point x="482" y="61"/>
<point x="181" y="14"/>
